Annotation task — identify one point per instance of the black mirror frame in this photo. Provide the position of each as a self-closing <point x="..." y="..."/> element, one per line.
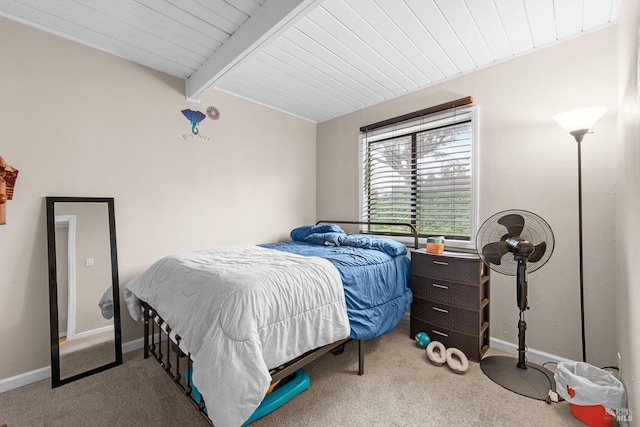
<point x="53" y="288"/>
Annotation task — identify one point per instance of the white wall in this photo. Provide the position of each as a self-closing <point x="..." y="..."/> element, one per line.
<point x="526" y="162"/>
<point x="78" y="122"/>
<point x="627" y="295"/>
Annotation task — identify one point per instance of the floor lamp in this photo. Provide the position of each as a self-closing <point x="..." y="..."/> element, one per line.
<point x="577" y="123"/>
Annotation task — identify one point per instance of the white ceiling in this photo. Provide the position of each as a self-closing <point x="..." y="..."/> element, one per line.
<point x="312" y="58"/>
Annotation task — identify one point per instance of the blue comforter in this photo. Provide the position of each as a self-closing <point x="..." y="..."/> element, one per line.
<point x="376" y="284"/>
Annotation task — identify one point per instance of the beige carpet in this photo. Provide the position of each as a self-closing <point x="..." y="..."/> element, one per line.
<point x="81" y="359"/>
<point x="400" y="388"/>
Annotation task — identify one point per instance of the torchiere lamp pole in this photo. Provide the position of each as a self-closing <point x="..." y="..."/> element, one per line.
<point x="577" y="123"/>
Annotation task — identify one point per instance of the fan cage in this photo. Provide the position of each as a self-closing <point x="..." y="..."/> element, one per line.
<point x="536" y="230"/>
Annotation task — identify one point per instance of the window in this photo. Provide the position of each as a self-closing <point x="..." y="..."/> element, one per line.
<point x="423" y="172"/>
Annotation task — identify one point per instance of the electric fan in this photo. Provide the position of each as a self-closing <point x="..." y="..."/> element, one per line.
<point x="512" y="242"/>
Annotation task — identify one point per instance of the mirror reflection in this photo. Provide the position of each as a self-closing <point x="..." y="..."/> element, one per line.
<point x="85" y="322"/>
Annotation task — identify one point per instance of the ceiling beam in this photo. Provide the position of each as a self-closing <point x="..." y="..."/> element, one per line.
<point x="272" y="19"/>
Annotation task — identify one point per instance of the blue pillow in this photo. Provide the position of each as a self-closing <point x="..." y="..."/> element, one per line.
<point x="327" y="239"/>
<point x="357" y="241"/>
<point x="301" y="233"/>
<point x="388" y="246"/>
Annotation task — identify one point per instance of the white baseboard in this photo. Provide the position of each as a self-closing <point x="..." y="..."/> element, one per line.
<point x="534" y="355"/>
<point x="24" y="379"/>
<point x="92" y="332"/>
<point x="134" y="345"/>
<point x="20" y="380"/>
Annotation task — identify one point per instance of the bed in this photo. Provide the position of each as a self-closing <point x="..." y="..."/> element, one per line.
<point x="246" y="316"/>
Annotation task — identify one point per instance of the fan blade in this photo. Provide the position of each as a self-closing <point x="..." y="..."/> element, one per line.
<point x="493" y="252"/>
<point x="538" y="252"/>
<point x="514" y="223"/>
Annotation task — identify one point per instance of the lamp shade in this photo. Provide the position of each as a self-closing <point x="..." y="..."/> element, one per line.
<point x="580" y="119"/>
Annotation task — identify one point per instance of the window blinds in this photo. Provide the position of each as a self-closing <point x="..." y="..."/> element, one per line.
<point x="421" y="172"/>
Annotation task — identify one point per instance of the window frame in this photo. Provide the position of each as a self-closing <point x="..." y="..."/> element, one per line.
<point x="423" y="123"/>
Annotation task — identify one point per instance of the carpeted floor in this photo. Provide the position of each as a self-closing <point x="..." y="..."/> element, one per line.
<point x="400" y="388"/>
<point x="81" y="359"/>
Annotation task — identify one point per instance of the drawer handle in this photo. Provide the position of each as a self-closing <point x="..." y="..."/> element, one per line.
<point x="439" y="333"/>
<point x="441" y="310"/>
<point x="437" y="285"/>
<point x="441" y="262"/>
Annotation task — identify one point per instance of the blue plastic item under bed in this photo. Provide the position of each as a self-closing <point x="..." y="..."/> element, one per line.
<point x="298" y="383"/>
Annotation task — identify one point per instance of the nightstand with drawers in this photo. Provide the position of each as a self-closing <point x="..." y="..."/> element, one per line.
<point x="451" y="300"/>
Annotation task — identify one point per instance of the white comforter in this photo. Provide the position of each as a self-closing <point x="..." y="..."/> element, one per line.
<point x="242" y="311"/>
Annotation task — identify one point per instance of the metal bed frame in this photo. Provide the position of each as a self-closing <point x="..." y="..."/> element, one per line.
<point x="171" y="343"/>
<point x="411" y="227"/>
<point x="155" y="327"/>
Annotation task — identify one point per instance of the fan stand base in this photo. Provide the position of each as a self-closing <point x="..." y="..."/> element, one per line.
<point x="534" y="382"/>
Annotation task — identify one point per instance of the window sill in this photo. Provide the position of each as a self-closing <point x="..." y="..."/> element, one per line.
<point x="449" y="245"/>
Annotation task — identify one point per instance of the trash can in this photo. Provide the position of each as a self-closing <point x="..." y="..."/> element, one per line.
<point x="593" y="393"/>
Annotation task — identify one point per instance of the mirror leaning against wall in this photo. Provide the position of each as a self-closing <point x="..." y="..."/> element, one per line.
<point x="84" y="303"/>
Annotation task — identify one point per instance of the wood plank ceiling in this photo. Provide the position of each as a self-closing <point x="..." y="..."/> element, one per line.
<point x="311" y="58"/>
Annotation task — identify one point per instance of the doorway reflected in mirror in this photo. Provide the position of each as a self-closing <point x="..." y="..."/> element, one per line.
<point x="83" y="287"/>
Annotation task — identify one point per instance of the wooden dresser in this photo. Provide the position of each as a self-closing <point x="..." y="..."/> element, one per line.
<point x="451" y="300"/>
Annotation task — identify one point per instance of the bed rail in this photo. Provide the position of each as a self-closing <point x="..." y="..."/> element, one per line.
<point x="414" y="231"/>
